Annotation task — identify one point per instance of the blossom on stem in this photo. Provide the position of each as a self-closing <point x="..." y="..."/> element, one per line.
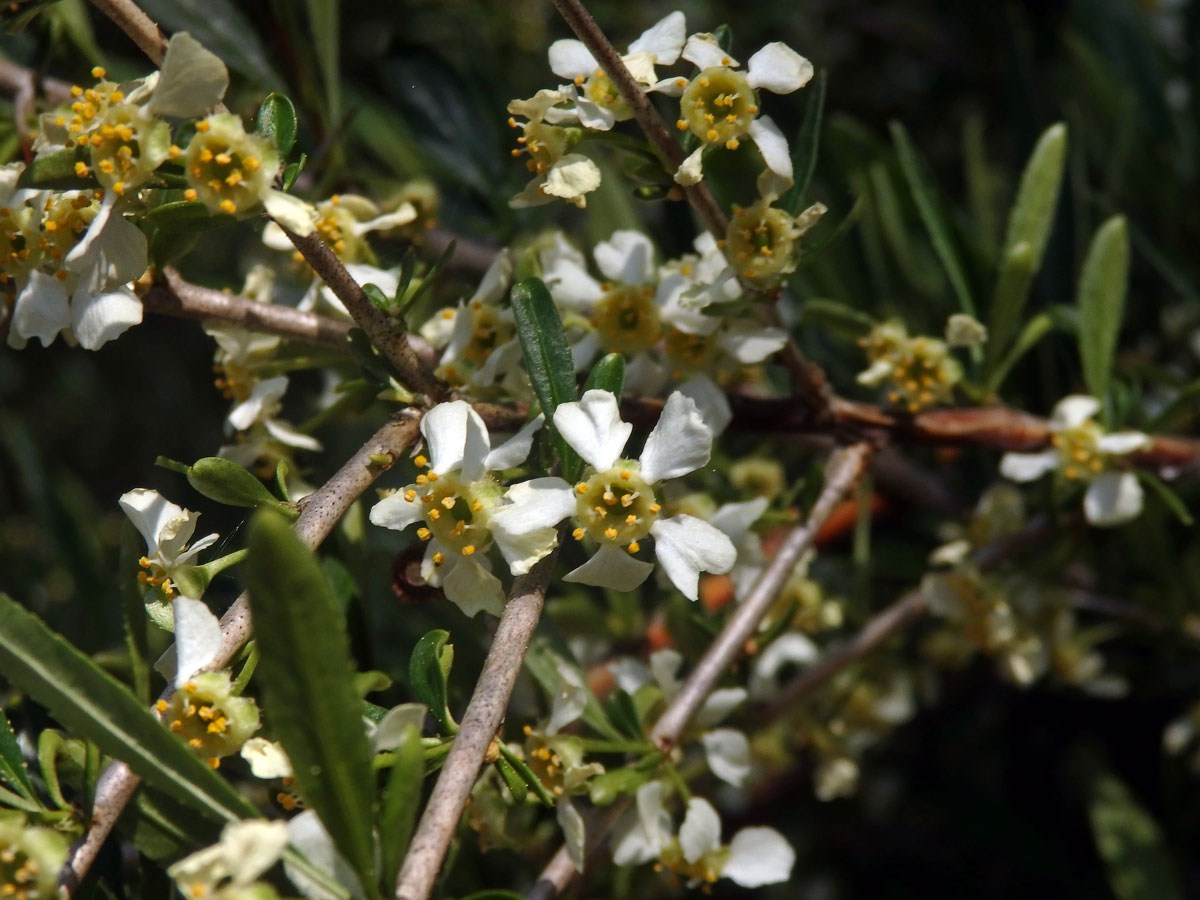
<point x="556" y="173"/>
<point x="207" y="716"/>
<point x="918" y="372"/>
<point x="166" y="528"/>
<point x="230" y="869"/>
<point x="1082" y="453"/>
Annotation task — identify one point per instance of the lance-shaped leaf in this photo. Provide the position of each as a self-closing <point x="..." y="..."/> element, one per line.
<point x="226" y="482"/>
<point x="547" y="359"/>
<point x="401" y="800"/>
<point x="1103" y="284"/>
<point x="93" y="705"/>
<point x="277" y="121"/>
<point x="607" y="375"/>
<point x="428" y="669"/>
<point x="12" y="764"/>
<point x="308" y="691"/>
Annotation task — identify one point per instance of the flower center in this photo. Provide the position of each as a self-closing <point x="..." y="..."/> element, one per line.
<point x="225" y="177"/>
<point x="116" y="151"/>
<point x="718" y="106"/>
<point x="601" y="91"/>
<point x="689" y="352"/>
<point x="1078" y="452"/>
<point x="761" y="242"/>
<point x="18" y="874"/>
<point x="488" y="330"/>
<point x="455" y="513"/>
<point x="65" y="217"/>
<point x="200" y="720"/>
<point x="545" y="145"/>
<point x="627" y="320"/>
<point x="616" y="506"/>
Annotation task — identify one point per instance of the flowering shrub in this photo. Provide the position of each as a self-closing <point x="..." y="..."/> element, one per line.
<point x="570" y="525"/>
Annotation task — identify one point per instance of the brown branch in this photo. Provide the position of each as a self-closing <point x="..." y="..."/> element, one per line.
<point x="385" y="334"/>
<point x="841" y="474"/>
<point x="320" y="512"/>
<point x="476" y="734"/>
<point x="139" y="27"/>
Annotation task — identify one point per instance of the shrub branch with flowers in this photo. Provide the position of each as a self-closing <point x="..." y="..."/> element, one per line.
<point x="606" y="551"/>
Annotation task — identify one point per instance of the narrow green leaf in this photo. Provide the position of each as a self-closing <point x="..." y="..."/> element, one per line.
<point x="1130" y="843"/>
<point x="292" y="171"/>
<point x="608" y="786"/>
<point x="92" y="704"/>
<point x="133" y="609"/>
<point x="1017" y="268"/>
<point x="512" y="780"/>
<point x="406" y="300"/>
<point x="607" y="375"/>
<point x="808" y="143"/>
<point x="183" y="216"/>
<point x="547" y="359"/>
<point x="401" y="800"/>
<point x="528" y="777"/>
<point x="1102" y="287"/>
<point x="57" y="171"/>
<point x="843" y="317"/>
<point x="13" y="771"/>
<point x="624" y="714"/>
<point x="428" y="668"/>
<point x="1036" y="329"/>
<point x="1172" y="500"/>
<point x="277" y="121"/>
<point x="323" y="21"/>
<point x="1032" y="214"/>
<point x="939" y="232"/>
<point x="307" y="679"/>
<point x="162" y="829"/>
<point x="226" y="482"/>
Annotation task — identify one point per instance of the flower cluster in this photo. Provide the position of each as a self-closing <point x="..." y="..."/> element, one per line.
<point x="916" y="372"/>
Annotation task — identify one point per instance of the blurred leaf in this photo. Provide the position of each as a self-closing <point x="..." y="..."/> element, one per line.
<point x="1035" y="329"/>
<point x="547" y="359"/>
<point x="401" y="800"/>
<point x="839" y="316"/>
<point x="56" y="170"/>
<point x="1103" y="284"/>
<point x="90" y="702"/>
<point x="183" y="216"/>
<point x="13" y="771"/>
<point x="1017" y="268"/>
<point x="162" y="829"/>
<point x="512" y="780"/>
<point x="277" y="121"/>
<point x="308" y="693"/>
<point x="324" y="24"/>
<point x="808" y="143"/>
<point x="428" y="669"/>
<point x="1130" y="843"/>
<point x="608" y="786"/>
<point x="72" y="17"/>
<point x="925" y="198"/>
<point x="624" y="714"/>
<point x="1173" y="501"/>
<point x="608" y="374"/>
<point x="222" y="27"/>
<point x="980" y="182"/>
<point x="541" y="663"/>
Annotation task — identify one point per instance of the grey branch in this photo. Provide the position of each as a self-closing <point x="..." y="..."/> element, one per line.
<point x="139" y="27"/>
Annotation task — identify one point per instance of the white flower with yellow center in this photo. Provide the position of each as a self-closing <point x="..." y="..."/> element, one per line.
<point x="459" y="504"/>
<point x="720" y="104"/>
<point x="599" y="104"/>
<point x="556" y="173"/>
<point x="166" y="528"/>
<point x="1082" y="453"/>
<point x="616" y="505"/>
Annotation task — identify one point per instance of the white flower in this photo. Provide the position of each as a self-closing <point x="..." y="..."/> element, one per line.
<point x="463" y="508"/>
<point x="556" y="173"/>
<point x="1082" y="452"/>
<point x="247" y="849"/>
<point x="266" y="759"/>
<point x="166" y="529"/>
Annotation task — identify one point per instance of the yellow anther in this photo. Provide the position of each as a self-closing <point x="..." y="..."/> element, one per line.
<point x="578" y="534"/>
<point x="76" y="91"/>
<point x="203" y="126"/>
<point x="631" y="519"/>
<point x="433" y="476"/>
<point x="610" y="533"/>
<point x="410" y="495"/>
<point x="468" y="550"/>
<point x="435" y="514"/>
<point x="654" y="508"/>
<point x="81" y="169"/>
<point x="581" y="488"/>
<point x="448" y="502"/>
<point x="119" y="189"/>
<point x="224" y="159"/>
<point x="625" y="474"/>
<point x="206" y="155"/>
<point x="196" y="743"/>
<point x="51" y="226"/>
<point x="627" y="500"/>
<point x="161" y="706"/>
<point x="228" y="207"/>
<point x="424" y="534"/>
<point x="633" y="547"/>
<point x="98" y="72"/>
<point x="610" y="498"/>
<point x="711" y="135"/>
<point x="476" y="505"/>
<point x="681" y="125"/>
<point x="438" y="558"/>
<point x="190" y="195"/>
<point x="420" y="462"/>
<point x="234" y="178"/>
<point x="250" y="163"/>
<point x="422" y="479"/>
<point x="600" y="511"/>
<point x="731" y="144"/>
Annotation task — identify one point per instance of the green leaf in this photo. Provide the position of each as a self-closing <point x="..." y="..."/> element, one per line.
<point x="1172" y="500"/>
<point x="608" y="786"/>
<point x="838" y="316"/>
<point x="1017" y="268"/>
<point x="133" y="609"/>
<point x="608" y="374"/>
<point x="1032" y="214"/>
<point x="183" y="216"/>
<point x="92" y="704"/>
<point x="547" y="359"/>
<point x="624" y="714"/>
<point x="528" y="778"/>
<point x="512" y="780"/>
<point x="308" y="692"/>
<point x="292" y="171"/>
<point x="13" y="771"/>
<point x="1130" y="843"/>
<point x="226" y="482"/>
<point x="401" y="799"/>
<point x="222" y="27"/>
<point x="57" y="171"/>
<point x="428" y="668"/>
<point x="1103" y="284"/>
<point x="162" y="829"/>
<point x="323" y="22"/>
<point x="808" y="143"/>
<point x="1036" y="329"/>
<point x="277" y="121"/>
<point x="939" y="232"/>
<point x="541" y="663"/>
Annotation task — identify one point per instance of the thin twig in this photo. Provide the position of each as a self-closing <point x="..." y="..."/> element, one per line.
<point x="480" y="722"/>
<point x="385" y="334"/>
<point x="140" y="28"/>
<point x="320" y="513"/>
<point x="841" y="474"/>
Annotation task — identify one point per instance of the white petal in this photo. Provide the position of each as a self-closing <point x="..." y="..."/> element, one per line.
<point x="1073" y="410"/>
<point x="266" y="758"/>
<point x="735" y="519"/>
<point x="400" y="216"/>
<point x="664" y="666"/>
<point x="703" y="50"/>
<point x="98" y="318"/>
<point x="513" y="451"/>
<point x="627" y="256"/>
<point x="1121" y="442"/>
<point x="308" y="835"/>
<point x="571" y="823"/>
<point x="1113" y="498"/>
<point x="710" y="401"/>
<point x="457" y="438"/>
<point x="590" y="115"/>
<point x="1028" y="466"/>
<point x="681" y="442"/>
<point x="42" y="309"/>
<point x="641" y="68"/>
<point x="252" y="846"/>
<point x="779" y="69"/>
<point x="571" y="177"/>
<point x="395" y="512"/>
<point x="719" y="704"/>
<point x="691" y="169"/>
<point x="473" y="588"/>
<point x="395" y="722"/>
<point x="570" y="58"/>
<point x="570" y="697"/>
<point x="749" y="343"/>
<point x="700" y="832"/>
<point x="191" y="82"/>
<point x="772" y="145"/>
<point x="759" y="856"/>
<point x="533" y="505"/>
<point x="197" y="638"/>
<point x="656" y="821"/>
<point x="643" y="833"/>
<point x="496" y="279"/>
<point x="611" y="567"/>
<point x="565" y="274"/>
<point x="285" y="434"/>
<point x="150" y="513"/>
<point x="262" y="403"/>
<point x="523" y="551"/>
<point x="387" y="280"/>
<point x="791" y="649"/>
<point x="686" y="546"/>
<point x="629" y="673"/>
<point x="664" y="39"/>
<point x="593" y="428"/>
<point x="728" y="755"/>
<point x="876" y="373"/>
<point x="291" y="212"/>
<point x="112" y="251"/>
